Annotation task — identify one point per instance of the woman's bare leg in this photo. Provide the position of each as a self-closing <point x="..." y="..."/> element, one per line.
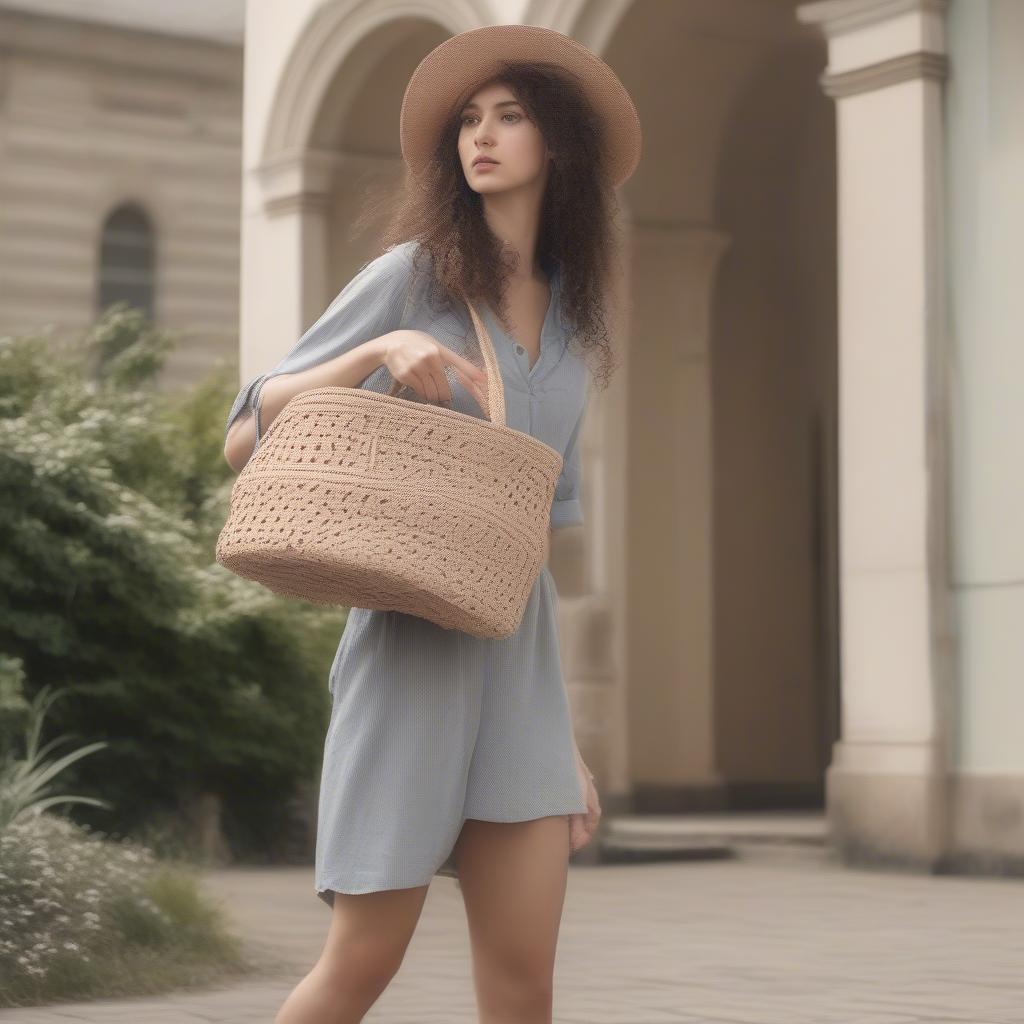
<point x="513" y="878"/>
<point x="365" y="944"/>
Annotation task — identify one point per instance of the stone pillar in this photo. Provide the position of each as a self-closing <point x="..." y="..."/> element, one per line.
<point x="285" y="265"/>
<point x="670" y="570"/>
<point x="887" y="784"/>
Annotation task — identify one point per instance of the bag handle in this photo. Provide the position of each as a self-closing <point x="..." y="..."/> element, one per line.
<point x="495" y="410"/>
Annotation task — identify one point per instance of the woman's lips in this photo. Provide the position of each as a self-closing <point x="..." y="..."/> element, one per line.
<point x="481" y="164"/>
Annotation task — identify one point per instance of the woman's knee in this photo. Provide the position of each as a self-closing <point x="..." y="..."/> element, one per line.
<point x="363" y="965"/>
<point x="513" y="990"/>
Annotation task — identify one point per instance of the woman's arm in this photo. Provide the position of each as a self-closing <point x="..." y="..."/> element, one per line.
<point x="344" y="371"/>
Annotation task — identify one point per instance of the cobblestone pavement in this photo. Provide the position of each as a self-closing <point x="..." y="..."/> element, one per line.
<point x="767" y="938"/>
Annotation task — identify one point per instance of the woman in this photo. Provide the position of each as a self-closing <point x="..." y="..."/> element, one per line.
<point x="448" y="753"/>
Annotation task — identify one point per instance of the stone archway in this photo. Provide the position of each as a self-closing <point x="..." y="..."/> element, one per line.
<point x="685" y="726"/>
<point x="307" y="162"/>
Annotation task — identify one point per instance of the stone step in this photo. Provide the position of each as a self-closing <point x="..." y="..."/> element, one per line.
<point x="650" y="837"/>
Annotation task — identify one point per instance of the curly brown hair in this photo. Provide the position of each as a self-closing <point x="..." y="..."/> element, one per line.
<point x="577" y="230"/>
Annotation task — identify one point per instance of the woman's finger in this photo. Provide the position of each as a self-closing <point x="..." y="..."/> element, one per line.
<point x="429" y="378"/>
<point x="463" y="365"/>
<point x="413" y="380"/>
<point x="578" y="834"/>
<point x="443" y="388"/>
<point x="583" y="826"/>
<point x="475" y="389"/>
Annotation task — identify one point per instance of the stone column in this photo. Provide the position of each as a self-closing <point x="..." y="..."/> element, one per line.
<point x="670" y="607"/>
<point x="887" y="784"/>
<point x="285" y="265"/>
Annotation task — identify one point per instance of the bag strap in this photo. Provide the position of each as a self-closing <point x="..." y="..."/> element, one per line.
<point x="495" y="388"/>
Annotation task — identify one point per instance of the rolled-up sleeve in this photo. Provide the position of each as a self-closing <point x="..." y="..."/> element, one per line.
<point x="566" y="509"/>
<point x="371" y="304"/>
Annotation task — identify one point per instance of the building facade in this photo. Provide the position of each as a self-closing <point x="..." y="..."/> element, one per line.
<point x="800" y="583"/>
<point x="119" y="179"/>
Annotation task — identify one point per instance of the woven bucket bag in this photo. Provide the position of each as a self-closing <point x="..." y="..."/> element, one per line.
<point x="370" y="500"/>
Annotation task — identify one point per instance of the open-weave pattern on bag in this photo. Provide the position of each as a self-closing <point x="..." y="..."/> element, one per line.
<point x="374" y="501"/>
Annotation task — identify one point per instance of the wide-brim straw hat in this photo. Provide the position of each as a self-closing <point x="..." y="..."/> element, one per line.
<point x="444" y="76"/>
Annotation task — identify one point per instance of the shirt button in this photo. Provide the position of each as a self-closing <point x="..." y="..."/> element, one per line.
<point x="520" y="349"/>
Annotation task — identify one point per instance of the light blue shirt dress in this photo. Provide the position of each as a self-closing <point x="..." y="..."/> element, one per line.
<point x="431" y="726"/>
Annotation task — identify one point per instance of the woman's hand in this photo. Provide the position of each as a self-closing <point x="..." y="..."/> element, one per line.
<point x="583" y="826"/>
<point x="416" y="359"/>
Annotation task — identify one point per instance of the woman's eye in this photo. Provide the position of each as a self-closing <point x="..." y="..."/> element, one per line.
<point x="470" y="117"/>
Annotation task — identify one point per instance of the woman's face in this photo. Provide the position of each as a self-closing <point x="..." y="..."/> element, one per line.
<point x="494" y="125"/>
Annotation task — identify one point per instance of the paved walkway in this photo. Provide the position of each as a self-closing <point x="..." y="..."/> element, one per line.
<point x="773" y="937"/>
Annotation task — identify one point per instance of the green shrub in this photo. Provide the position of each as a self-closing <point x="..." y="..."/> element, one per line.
<point x="111" y="498"/>
<point x="82" y="917"/>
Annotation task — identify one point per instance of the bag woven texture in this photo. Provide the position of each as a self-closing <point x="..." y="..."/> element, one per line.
<point x="369" y="500"/>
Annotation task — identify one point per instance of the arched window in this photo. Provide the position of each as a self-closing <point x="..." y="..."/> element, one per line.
<point x="127" y="259"/>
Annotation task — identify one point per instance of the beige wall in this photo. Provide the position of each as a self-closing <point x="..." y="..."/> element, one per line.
<point x="985" y="202"/>
<point x="986" y="306"/>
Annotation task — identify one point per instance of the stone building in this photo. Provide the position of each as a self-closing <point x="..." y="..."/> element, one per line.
<point x="800" y="583"/>
<point x="120" y="149"/>
<point x="801" y="578"/>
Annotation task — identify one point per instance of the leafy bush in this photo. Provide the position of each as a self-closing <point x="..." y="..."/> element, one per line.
<point x="83" y="917"/>
<point x="111" y="498"/>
